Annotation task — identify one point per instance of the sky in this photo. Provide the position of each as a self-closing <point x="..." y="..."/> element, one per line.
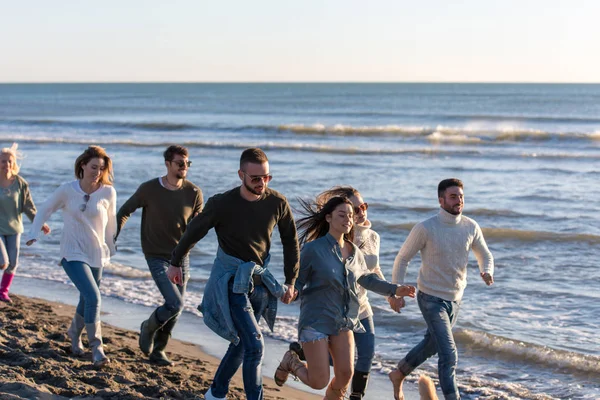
<point x="300" y="41"/>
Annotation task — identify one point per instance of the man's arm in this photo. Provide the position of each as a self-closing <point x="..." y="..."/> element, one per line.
<point x="133" y="203"/>
<point x="194" y="232"/>
<point x="485" y="260"/>
<point x="197" y="204"/>
<point x="416" y="240"/>
<point x="289" y="240"/>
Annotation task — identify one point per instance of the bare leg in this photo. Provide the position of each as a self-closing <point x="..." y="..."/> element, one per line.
<point x="397" y="378"/>
<point x="316" y="375"/>
<point x="341" y="347"/>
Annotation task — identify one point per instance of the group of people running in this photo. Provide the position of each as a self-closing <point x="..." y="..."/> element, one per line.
<point x="330" y="263"/>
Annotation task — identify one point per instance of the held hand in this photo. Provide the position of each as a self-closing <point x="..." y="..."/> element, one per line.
<point x="289" y="295"/>
<point x="396" y="303"/>
<point x="487" y="278"/>
<point x="175" y="275"/>
<point x="405" y="290"/>
<point x="30" y="242"/>
<point x="46" y="229"/>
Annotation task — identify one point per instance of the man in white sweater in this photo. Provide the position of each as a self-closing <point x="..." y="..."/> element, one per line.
<point x="444" y="241"/>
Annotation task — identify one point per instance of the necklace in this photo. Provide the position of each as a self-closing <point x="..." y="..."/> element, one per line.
<point x="170" y="184"/>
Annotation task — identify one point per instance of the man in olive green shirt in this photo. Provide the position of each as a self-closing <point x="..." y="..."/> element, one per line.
<point x="168" y="204"/>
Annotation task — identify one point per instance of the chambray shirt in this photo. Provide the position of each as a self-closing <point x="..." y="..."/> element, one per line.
<point x="329" y="287"/>
<point x="215" y="302"/>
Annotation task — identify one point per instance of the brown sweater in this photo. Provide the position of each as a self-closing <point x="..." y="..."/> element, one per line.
<point x="165" y="215"/>
<point x="244" y="229"/>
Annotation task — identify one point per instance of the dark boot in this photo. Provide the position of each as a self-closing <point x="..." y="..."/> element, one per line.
<point x="359" y="385"/>
<point x="296" y="347"/>
<point x="147" y="331"/>
<point x="161" y="338"/>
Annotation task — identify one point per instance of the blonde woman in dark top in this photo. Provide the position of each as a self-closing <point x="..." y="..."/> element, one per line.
<point x="15" y="200"/>
<point x="331" y="268"/>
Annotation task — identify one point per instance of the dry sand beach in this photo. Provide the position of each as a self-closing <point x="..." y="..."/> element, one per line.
<point x="35" y="362"/>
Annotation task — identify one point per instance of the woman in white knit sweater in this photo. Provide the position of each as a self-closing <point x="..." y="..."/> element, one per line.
<point x="367" y="240"/>
<point x="87" y="243"/>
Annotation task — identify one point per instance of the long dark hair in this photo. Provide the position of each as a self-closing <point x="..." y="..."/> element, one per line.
<point x="336" y="191"/>
<point x="314" y="225"/>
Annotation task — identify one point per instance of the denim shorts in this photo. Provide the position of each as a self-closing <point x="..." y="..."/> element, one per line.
<point x="310" y="334"/>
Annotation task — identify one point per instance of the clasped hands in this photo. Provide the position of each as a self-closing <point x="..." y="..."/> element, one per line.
<point x="397" y="301"/>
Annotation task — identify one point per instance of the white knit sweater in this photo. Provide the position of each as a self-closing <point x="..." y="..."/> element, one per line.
<point x="444" y="241"/>
<point x="367" y="240"/>
<point x="88" y="236"/>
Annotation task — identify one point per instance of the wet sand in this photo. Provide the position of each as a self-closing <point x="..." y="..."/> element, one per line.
<point x="36" y="362"/>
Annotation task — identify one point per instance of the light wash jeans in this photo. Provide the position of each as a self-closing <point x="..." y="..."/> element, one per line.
<point x="9" y="252"/>
<point x="172" y="293"/>
<point x="87" y="281"/>
<point x="365" y="345"/>
<point x="440" y="316"/>
<point x="246" y="310"/>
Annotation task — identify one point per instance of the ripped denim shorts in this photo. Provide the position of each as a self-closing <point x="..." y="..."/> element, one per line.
<point x="310" y="334"/>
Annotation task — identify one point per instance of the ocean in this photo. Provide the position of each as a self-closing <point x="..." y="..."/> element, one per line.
<point x="528" y="154"/>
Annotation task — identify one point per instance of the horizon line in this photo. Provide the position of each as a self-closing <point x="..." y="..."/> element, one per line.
<point x="299" y="82"/>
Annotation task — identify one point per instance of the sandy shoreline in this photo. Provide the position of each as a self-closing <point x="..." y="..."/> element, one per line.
<point x="35" y="362"/>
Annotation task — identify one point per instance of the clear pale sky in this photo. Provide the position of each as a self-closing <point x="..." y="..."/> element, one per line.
<point x="306" y="40"/>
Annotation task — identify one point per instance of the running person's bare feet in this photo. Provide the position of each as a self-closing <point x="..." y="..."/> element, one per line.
<point x="397" y="379"/>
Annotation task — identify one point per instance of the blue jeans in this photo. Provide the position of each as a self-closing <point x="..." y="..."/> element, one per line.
<point x="365" y="346"/>
<point x="173" y="294"/>
<point x="87" y="281"/>
<point x="440" y="316"/>
<point x="245" y="312"/>
<point x="9" y="252"/>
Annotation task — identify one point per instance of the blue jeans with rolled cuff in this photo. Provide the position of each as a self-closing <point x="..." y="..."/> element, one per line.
<point x="440" y="316"/>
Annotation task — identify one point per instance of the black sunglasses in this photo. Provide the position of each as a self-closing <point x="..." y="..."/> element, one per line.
<point x="182" y="163"/>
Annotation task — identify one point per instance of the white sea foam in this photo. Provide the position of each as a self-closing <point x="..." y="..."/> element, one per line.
<point x="529" y="352"/>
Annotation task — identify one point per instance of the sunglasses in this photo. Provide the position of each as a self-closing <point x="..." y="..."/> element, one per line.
<point x="363" y="207"/>
<point x="86" y="198"/>
<point x="257" y="179"/>
<point x="182" y="163"/>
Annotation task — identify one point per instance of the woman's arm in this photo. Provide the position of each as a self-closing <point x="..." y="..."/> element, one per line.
<point x="56" y="201"/>
<point x="305" y="270"/>
<point x="110" y="233"/>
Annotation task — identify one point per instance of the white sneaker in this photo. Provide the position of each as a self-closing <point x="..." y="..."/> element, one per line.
<point x="209" y="396"/>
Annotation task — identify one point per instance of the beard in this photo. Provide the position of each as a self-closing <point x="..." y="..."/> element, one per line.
<point x="251" y="189"/>
<point x="451" y="210"/>
<point x="181" y="175"/>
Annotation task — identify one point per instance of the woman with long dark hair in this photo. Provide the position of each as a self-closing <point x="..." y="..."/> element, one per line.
<point x="368" y="241"/>
<point x="331" y="268"/>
